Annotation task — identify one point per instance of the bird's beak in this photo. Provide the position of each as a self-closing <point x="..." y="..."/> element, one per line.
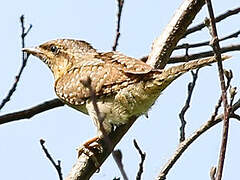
<point x="33" y="50"/>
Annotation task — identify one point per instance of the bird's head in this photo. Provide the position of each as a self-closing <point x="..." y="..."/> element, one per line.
<point x="60" y="54"/>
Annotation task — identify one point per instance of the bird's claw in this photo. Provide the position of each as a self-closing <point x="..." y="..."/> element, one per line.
<point x="89" y="148"/>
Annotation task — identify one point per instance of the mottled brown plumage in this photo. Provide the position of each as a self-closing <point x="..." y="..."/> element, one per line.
<point x="124" y="86"/>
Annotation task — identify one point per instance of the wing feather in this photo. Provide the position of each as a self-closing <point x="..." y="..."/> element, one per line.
<point x="111" y="72"/>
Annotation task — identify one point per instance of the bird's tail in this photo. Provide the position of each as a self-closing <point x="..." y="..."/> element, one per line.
<point x="163" y="79"/>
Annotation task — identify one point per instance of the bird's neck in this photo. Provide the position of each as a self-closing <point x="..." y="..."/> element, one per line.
<point x="60" y="68"/>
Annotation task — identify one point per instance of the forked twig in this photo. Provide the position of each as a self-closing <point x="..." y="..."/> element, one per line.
<point x="191" y="57"/>
<point x="206" y="43"/>
<point x="191" y="86"/>
<point x="143" y="156"/>
<point x="56" y="166"/>
<point x="24" y="63"/>
<point x="217" y="19"/>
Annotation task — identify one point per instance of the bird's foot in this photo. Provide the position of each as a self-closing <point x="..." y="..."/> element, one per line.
<point x="89" y="148"/>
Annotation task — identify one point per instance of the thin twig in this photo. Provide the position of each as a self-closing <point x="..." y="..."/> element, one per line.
<point x="191" y="57"/>
<point x="58" y="165"/>
<point x="232" y="92"/>
<point x="87" y="83"/>
<point x="28" y="113"/>
<point x="116" y="178"/>
<point x="117" y="156"/>
<point x="100" y="119"/>
<point x="204" y="54"/>
<point x="236" y="116"/>
<point x="217" y="53"/>
<point x="24" y="63"/>
<point x="229" y="76"/>
<point x="143" y="156"/>
<point x="119" y="15"/>
<point x="218" y="19"/>
<point x="206" y="43"/>
<point x="191" y="86"/>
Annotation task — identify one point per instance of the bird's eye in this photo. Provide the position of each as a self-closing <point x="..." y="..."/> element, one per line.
<point x="54" y="49"/>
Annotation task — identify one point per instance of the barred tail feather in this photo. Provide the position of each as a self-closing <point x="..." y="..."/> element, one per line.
<point x="180" y="69"/>
<point x="163" y="79"/>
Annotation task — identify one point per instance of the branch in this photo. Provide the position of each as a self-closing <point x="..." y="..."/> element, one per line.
<point x="218" y="19"/>
<point x="206" y="43"/>
<point x="164" y="45"/>
<point x="191" y="86"/>
<point x="119" y="14"/>
<point x="57" y="166"/>
<point x="143" y="156"/>
<point x="117" y="156"/>
<point x="217" y="53"/>
<point x="190" y="57"/>
<point x="28" y="113"/>
<point x="24" y="63"/>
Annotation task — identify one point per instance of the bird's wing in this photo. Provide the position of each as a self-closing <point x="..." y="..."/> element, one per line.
<point x="105" y="78"/>
<point x="126" y="64"/>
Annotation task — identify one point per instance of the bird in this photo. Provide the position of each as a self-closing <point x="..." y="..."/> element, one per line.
<point x="122" y="86"/>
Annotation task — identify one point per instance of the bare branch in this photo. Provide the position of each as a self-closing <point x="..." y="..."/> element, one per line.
<point x="119" y="14"/>
<point x="236" y="116"/>
<point x="191" y="86"/>
<point x="24" y="63"/>
<point x="28" y="113"/>
<point x="163" y="46"/>
<point x="190" y="57"/>
<point x="57" y="166"/>
<point x="206" y="43"/>
<point x="218" y="19"/>
<point x="232" y="92"/>
<point x="116" y="178"/>
<point x="117" y="155"/>
<point x="143" y="156"/>
<point x="217" y="53"/>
